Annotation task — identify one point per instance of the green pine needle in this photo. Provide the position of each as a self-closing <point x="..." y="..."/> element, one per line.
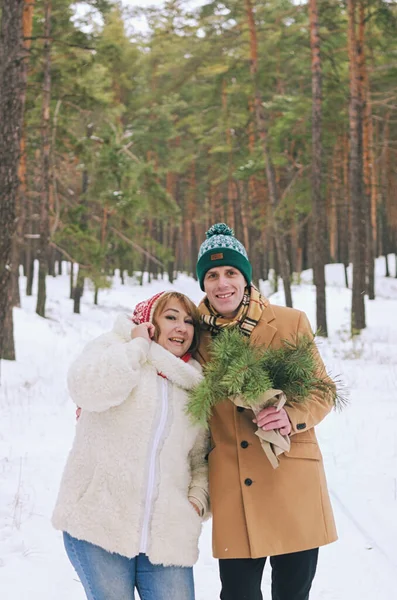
<point x="237" y="368"/>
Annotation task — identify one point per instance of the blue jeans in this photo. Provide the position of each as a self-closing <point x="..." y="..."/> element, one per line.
<point x="107" y="576"/>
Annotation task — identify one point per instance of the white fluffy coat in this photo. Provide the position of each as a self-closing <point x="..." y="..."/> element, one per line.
<point x="102" y="495"/>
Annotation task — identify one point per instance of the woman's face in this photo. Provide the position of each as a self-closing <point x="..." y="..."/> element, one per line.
<point x="176" y="328"/>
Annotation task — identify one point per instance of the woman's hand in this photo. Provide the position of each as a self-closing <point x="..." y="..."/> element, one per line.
<point x="144" y="330"/>
<point x="196" y="508"/>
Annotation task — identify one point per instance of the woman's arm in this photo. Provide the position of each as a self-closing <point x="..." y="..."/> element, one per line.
<point x="107" y="370"/>
<point x="198" y="489"/>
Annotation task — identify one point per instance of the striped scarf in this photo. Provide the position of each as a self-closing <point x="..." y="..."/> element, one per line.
<point x="248" y="315"/>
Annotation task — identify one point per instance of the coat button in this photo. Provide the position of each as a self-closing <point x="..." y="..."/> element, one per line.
<point x="248" y="481"/>
<point x="240" y="408"/>
<point x="244" y="444"/>
<point x="301" y="426"/>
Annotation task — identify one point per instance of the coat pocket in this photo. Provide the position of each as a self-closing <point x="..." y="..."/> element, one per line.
<point x="90" y="493"/>
<point x="308" y="450"/>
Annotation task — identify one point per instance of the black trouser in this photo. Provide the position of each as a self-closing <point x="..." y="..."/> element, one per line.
<point x="292" y="576"/>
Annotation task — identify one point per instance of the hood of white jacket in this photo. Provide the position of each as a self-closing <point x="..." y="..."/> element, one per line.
<point x="185" y="375"/>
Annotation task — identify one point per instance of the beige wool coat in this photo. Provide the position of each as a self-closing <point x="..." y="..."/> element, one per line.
<point x="257" y="510"/>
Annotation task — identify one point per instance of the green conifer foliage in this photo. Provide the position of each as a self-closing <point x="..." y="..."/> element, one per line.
<point x="237" y="368"/>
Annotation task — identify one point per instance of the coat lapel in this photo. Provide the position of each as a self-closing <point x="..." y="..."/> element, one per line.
<point x="202" y="354"/>
<point x="263" y="336"/>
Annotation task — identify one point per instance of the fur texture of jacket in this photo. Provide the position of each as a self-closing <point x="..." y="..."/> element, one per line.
<point x="103" y="494"/>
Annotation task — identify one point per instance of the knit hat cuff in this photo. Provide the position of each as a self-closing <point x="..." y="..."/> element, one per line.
<point x="144" y="311"/>
<point x="223" y="257"/>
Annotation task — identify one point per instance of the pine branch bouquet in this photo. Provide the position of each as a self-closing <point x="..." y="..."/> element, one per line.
<point x="255" y="378"/>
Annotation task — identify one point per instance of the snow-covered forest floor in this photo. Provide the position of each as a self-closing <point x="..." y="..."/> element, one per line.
<point x="359" y="444"/>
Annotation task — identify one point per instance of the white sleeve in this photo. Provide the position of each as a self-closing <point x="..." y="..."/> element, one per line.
<point x="107" y="370"/>
<point x="198" y="489"/>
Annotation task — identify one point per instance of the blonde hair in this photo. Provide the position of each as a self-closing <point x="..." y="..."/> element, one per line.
<point x="188" y="306"/>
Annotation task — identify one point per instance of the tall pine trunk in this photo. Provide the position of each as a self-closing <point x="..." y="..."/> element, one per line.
<point x="279" y="238"/>
<point x="78" y="290"/>
<point x="45" y="176"/>
<point x="18" y="239"/>
<point x="356" y="179"/>
<point x="12" y="94"/>
<point x="318" y="199"/>
<point x="345" y="213"/>
<point x="368" y="161"/>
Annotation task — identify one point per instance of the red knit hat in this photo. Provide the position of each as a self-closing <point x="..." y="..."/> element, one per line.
<point x="144" y="311"/>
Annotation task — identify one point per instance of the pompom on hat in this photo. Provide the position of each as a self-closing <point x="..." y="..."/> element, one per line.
<point x="220" y="249"/>
<point x="144" y="311"/>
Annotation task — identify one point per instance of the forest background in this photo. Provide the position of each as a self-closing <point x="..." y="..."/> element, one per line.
<point x="126" y="132"/>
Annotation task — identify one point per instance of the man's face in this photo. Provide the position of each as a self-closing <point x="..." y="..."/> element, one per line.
<point x="224" y="287"/>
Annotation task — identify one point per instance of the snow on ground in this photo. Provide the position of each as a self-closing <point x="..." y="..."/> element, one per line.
<point x="359" y="444"/>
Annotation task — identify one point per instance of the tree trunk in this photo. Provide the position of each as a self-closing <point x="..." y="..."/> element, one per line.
<point x="387" y="268"/>
<point x="20" y="207"/>
<point x="275" y="269"/>
<point x="333" y="215"/>
<point x="15" y="297"/>
<point x="141" y="279"/>
<point x="318" y="199"/>
<point x="12" y="88"/>
<point x="345" y="267"/>
<point x="51" y="262"/>
<point x="71" y="281"/>
<point x="368" y="163"/>
<point x="8" y="352"/>
<point x="356" y="179"/>
<point x="29" y="270"/>
<point x="30" y="254"/>
<point x="46" y="178"/>
<point x="230" y="183"/>
<point x="279" y="237"/>
<point x="174" y="244"/>
<point x="245" y="214"/>
<point x="345" y="211"/>
<point x="78" y="291"/>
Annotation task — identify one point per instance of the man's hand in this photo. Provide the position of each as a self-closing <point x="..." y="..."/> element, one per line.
<point x="271" y="418"/>
<point x="144" y="330"/>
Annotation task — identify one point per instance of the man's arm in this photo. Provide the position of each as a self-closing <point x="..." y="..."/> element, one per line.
<point x="299" y="417"/>
<point x="308" y="414"/>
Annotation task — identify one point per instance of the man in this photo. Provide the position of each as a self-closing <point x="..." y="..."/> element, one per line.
<point x="259" y="511"/>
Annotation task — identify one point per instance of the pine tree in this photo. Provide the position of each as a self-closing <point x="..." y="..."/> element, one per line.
<point x="12" y="82"/>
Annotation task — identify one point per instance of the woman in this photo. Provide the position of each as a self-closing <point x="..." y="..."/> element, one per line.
<point x="134" y="491"/>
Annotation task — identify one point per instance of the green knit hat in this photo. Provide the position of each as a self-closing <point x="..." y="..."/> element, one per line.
<point x="222" y="249"/>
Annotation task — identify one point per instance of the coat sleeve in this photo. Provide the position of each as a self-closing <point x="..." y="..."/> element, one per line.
<point x="308" y="414"/>
<point x="107" y="370"/>
<point x="198" y="489"/>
